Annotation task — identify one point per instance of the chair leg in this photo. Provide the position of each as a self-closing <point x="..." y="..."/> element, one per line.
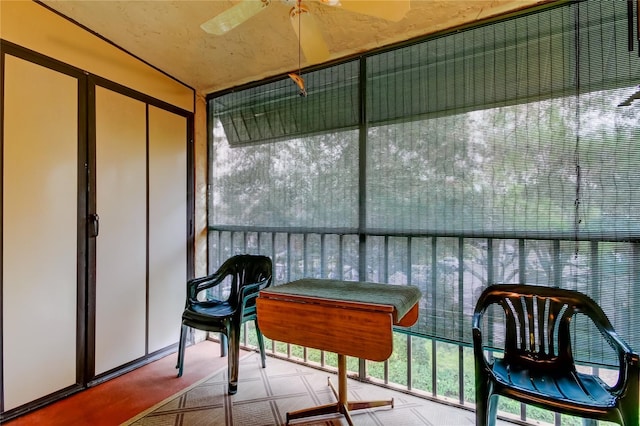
<point x="181" y="348"/>
<point x="486" y="404"/>
<point x="482" y="408"/>
<point x="234" y="358"/>
<point x="263" y="356"/>
<point x="493" y="410"/>
<point x="224" y="344"/>
<point x="630" y="414"/>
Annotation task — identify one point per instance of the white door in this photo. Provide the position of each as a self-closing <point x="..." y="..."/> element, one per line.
<point x="167" y="226"/>
<point x="39" y="231"/>
<point x="121" y="245"/>
<point x="140" y="195"/>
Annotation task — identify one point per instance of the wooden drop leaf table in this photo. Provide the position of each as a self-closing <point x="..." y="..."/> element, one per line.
<point x="345" y="317"/>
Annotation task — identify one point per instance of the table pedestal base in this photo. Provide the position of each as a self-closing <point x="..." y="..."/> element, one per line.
<point x="342" y="406"/>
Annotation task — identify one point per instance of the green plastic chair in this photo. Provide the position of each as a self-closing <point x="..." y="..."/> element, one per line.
<point x="538" y="366"/>
<point x="249" y="274"/>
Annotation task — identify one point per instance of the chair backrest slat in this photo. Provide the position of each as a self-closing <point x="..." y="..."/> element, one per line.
<point x="536" y="326"/>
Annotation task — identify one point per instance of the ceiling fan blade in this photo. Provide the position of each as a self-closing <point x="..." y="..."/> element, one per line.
<point x="389" y="10"/>
<point x="309" y="35"/>
<point x="234" y="16"/>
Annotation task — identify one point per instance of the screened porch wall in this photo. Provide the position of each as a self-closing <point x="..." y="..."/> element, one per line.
<point x="503" y="153"/>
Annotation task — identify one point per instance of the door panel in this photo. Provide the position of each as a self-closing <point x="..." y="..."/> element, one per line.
<point x="121" y="192"/>
<point x="39" y="230"/>
<point x="167" y="226"/>
<point x="88" y="305"/>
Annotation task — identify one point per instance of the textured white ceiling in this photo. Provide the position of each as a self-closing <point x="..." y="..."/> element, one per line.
<point x="167" y="34"/>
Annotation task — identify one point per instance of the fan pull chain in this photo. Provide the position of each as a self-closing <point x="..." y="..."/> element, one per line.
<point x="297" y="78"/>
<point x="298" y="5"/>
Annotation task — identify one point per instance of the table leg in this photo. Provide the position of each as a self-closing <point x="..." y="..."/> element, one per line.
<point x="342" y="406"/>
<point x="342" y="379"/>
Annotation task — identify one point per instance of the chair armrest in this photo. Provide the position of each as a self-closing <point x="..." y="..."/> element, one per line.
<point x="628" y="360"/>
<point x="616" y="341"/>
<point x="196" y="285"/>
<point x="476" y="334"/>
<point x="250" y="291"/>
<point x="486" y="300"/>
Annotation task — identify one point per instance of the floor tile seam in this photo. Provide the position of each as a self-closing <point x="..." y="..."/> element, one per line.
<point x="176" y="411"/>
<point x="311" y="391"/>
<point x="270" y="398"/>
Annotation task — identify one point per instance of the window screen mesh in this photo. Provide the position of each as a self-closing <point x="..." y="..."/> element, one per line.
<point x="503" y="63"/>
<point x="276" y="111"/>
<point x="481" y="143"/>
<point x="307" y="176"/>
<point x="503" y="153"/>
<point x="274" y="185"/>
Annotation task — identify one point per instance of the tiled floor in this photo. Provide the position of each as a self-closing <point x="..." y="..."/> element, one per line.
<point x="289" y="387"/>
<point x="265" y="396"/>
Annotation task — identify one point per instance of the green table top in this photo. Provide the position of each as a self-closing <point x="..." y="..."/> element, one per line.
<point x="401" y="297"/>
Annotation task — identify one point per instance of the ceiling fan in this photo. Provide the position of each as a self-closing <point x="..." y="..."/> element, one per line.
<point x="309" y="34"/>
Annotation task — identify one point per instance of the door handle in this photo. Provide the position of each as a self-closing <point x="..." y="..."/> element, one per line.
<point x="94" y="224"/>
